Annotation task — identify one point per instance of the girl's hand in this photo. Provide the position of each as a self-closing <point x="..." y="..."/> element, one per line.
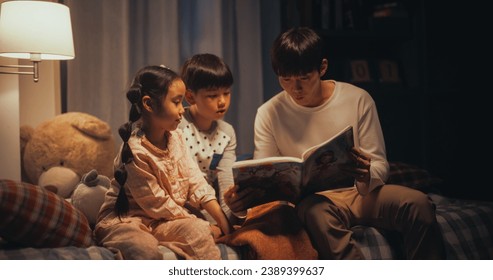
<point x="223" y="225"/>
<point x="216" y="231"/>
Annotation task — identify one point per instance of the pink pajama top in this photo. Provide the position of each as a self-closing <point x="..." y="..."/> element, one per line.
<point x="158" y="182"/>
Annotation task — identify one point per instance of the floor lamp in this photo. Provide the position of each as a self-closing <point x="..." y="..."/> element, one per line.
<point x="35" y="31"/>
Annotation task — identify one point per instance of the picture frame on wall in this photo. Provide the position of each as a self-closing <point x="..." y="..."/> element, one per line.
<point x="360" y="71"/>
<point x="388" y="72"/>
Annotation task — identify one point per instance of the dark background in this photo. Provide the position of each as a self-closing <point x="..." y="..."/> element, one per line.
<point x="437" y="116"/>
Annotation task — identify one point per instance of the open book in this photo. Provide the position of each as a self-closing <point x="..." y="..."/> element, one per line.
<point x="290" y="178"/>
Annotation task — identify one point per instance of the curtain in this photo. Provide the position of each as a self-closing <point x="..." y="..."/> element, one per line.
<point x="114" y="38"/>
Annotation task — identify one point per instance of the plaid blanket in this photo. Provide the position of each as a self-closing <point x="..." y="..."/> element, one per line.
<point x="467" y="228"/>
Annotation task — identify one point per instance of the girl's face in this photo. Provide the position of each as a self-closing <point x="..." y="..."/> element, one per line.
<point x="305" y="89"/>
<point x="170" y="113"/>
<point x="212" y="104"/>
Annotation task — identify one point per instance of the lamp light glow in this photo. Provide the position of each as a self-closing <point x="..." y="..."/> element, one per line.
<point x="35" y="30"/>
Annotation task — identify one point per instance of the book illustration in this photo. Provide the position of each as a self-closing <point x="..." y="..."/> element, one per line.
<point x="269" y="177"/>
<point x="290" y="178"/>
<point x="321" y="165"/>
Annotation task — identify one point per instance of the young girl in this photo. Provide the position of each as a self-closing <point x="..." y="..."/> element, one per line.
<point x="155" y="176"/>
<point x="211" y="141"/>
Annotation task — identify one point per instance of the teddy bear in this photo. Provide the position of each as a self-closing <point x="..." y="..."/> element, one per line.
<point x="89" y="194"/>
<point x="58" y="152"/>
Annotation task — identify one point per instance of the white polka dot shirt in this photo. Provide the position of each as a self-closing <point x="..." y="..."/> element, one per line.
<point x="214" y="151"/>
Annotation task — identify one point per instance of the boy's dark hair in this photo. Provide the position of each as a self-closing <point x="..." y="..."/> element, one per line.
<point x="297" y="51"/>
<point x="206" y="71"/>
<point x="153" y="81"/>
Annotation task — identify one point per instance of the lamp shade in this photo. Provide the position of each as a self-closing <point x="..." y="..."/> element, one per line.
<point x="35" y="29"/>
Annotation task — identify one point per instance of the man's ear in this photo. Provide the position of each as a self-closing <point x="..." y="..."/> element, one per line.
<point x="323" y="67"/>
<point x="189" y="97"/>
<point x="147" y="103"/>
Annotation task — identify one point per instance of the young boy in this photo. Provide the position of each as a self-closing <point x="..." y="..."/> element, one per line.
<point x="211" y="140"/>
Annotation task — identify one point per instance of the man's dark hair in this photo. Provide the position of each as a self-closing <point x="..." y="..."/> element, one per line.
<point x="297" y="51"/>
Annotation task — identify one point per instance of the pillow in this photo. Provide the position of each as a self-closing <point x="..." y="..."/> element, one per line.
<point x="412" y="176"/>
<point x="34" y="217"/>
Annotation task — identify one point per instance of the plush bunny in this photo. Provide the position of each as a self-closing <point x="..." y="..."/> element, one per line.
<point x="89" y="194"/>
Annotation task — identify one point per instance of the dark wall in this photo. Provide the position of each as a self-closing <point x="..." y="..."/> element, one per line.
<point x="459" y="90"/>
<point x="438" y="117"/>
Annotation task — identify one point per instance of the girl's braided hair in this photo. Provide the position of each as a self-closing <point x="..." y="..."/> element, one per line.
<point x="154" y="82"/>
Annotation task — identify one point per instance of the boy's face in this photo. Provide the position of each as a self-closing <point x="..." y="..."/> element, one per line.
<point x="212" y="104"/>
<point x="304" y="89"/>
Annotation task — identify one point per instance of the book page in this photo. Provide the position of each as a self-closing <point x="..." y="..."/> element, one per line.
<point x="279" y="180"/>
<point x="264" y="161"/>
<point x="321" y="167"/>
<point x="347" y="131"/>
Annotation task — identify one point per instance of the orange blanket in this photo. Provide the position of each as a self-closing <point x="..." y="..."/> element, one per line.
<point x="272" y="232"/>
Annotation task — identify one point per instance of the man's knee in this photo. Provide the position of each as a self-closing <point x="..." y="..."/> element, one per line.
<point x="421" y="207"/>
<point x="312" y="207"/>
<point x="426" y="209"/>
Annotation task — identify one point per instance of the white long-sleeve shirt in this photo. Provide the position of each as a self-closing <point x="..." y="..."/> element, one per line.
<point x="284" y="128"/>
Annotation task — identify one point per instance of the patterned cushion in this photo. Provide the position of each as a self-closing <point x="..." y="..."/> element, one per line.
<point x="412" y="176"/>
<point x="32" y="216"/>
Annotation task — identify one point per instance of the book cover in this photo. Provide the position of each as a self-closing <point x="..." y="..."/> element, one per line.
<point x="290" y="178"/>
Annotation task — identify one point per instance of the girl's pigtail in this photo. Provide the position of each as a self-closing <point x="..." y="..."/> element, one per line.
<point x="134" y="95"/>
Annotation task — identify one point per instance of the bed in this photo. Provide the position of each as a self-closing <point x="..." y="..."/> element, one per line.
<point x="36" y="224"/>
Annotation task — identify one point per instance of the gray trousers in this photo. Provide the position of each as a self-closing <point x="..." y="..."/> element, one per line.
<point x="328" y="218"/>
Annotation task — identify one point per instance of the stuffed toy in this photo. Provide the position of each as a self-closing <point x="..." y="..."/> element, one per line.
<point x="89" y="194"/>
<point x="58" y="152"/>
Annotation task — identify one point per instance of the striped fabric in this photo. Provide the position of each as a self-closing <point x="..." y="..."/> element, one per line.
<point x="32" y="216"/>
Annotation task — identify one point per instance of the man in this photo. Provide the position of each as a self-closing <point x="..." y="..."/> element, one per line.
<point x="310" y="110"/>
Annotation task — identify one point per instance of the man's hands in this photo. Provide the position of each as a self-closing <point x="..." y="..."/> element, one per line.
<point x="238" y="201"/>
<point x="361" y="168"/>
